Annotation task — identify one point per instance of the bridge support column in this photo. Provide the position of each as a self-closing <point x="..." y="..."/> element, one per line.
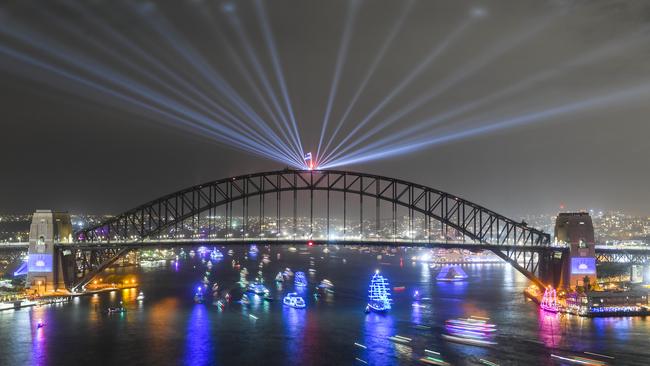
<point x="577" y="230"/>
<point x="646" y="273"/>
<point x="554" y="268"/>
<point x="45" y="264"/>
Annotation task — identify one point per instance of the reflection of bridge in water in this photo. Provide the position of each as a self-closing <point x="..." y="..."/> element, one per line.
<point x="326" y="207"/>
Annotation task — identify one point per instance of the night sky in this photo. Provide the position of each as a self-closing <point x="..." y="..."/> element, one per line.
<point x="71" y="147"/>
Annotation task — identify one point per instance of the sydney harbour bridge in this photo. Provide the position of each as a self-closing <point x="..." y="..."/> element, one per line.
<point x="317" y="206"/>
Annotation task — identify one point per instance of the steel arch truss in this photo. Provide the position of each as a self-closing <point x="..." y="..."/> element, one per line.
<point x="473" y="222"/>
<point x="623" y="256"/>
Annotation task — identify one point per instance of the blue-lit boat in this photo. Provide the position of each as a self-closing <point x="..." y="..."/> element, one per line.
<point x="198" y="295"/>
<point x="216" y="254"/>
<point x="378" y="294"/>
<point x="292" y="299"/>
<point x="257" y="288"/>
<point x="451" y="273"/>
<point x="300" y="280"/>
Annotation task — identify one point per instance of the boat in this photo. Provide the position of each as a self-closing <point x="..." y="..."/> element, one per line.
<point x="300" y="280"/>
<point x="231" y="252"/>
<point x="257" y="288"/>
<point x="140" y="296"/>
<point x="216" y="254"/>
<point x="267" y="297"/>
<point x="279" y="277"/>
<point x="416" y="295"/>
<point x="325" y="283"/>
<point x="292" y="299"/>
<point x="378" y="294"/>
<point x="451" y="273"/>
<point x="40" y="324"/>
<point x="475" y="331"/>
<point x="115" y="310"/>
<point x="244" y="300"/>
<point x="292" y="249"/>
<point x="549" y="301"/>
<point x="198" y="295"/>
<point x="288" y="273"/>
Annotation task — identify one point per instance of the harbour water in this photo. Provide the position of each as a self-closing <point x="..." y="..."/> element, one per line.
<point x="169" y="328"/>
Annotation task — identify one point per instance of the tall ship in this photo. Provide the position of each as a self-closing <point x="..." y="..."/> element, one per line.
<point x="378" y="294"/>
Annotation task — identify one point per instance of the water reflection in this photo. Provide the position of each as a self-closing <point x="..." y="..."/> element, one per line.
<point x="39" y="340"/>
<point x="549" y="329"/>
<point x="294" y="331"/>
<point x="199" y="349"/>
<point x="377" y="328"/>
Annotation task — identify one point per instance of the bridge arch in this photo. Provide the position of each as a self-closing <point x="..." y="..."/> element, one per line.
<point x="479" y="228"/>
<point x="471" y="220"/>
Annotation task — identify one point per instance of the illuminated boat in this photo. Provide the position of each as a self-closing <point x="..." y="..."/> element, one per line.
<point x="253" y="249"/>
<point x="288" y="273"/>
<point x="140" y="296"/>
<point x="549" y="301"/>
<point x="292" y="299"/>
<point x="451" y="273"/>
<point x="279" y="277"/>
<point x="475" y="331"/>
<point x="257" y="288"/>
<point x="325" y="283"/>
<point x="244" y="300"/>
<point x="300" y="280"/>
<point x="378" y="294"/>
<point x="116" y="310"/>
<point x="216" y="254"/>
<point x="198" y="295"/>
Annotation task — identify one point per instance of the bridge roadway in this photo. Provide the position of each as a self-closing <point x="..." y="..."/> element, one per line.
<point x="605" y="253"/>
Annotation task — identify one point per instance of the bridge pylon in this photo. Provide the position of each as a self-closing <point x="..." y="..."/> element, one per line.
<point x="46" y="269"/>
<point x="576" y="230"/>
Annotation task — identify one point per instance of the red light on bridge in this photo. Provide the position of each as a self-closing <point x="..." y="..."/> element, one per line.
<point x="310" y="243"/>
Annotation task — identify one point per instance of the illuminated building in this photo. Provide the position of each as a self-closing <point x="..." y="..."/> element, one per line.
<point x="605" y="303"/>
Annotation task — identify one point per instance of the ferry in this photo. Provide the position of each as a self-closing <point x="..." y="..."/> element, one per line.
<point x="292" y="299"/>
